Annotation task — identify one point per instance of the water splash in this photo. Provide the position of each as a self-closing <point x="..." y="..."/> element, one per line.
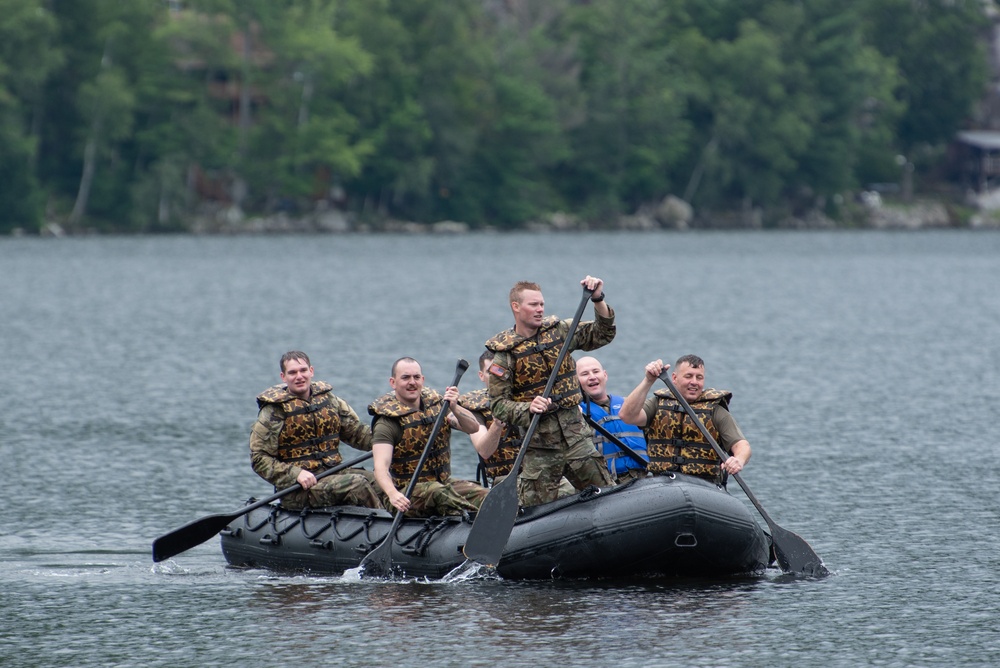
<point x="471" y="570"/>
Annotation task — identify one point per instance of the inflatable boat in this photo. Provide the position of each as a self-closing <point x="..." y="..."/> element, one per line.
<point x="674" y="525"/>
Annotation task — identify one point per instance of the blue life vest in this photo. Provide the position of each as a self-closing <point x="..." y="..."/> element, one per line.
<point x="618" y="461"/>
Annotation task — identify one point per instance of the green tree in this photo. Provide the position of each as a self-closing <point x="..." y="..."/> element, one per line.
<point x="797" y="104"/>
<point x="760" y="121"/>
<point x="28" y="54"/>
<point x="396" y="178"/>
<point x="129" y="114"/>
<point x="941" y="60"/>
<point x="635" y="133"/>
<point x="278" y="69"/>
<point x="849" y="85"/>
<point x="315" y="140"/>
<point x="423" y="105"/>
<point x="452" y="54"/>
<point x="87" y="144"/>
<point x="185" y="141"/>
<point x="533" y="99"/>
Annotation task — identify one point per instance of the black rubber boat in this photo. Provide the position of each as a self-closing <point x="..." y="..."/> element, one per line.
<point x="659" y="526"/>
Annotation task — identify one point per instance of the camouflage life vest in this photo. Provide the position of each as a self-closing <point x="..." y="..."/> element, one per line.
<point x="534" y="358"/>
<point x="310" y="436"/>
<point x="478" y="401"/>
<point x="674" y="442"/>
<point x="502" y="461"/>
<point x="417" y="425"/>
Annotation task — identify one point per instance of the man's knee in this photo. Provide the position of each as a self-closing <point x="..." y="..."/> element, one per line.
<point x="589" y="470"/>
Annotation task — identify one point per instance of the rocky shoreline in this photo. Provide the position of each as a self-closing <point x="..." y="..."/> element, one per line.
<point x="869" y="211"/>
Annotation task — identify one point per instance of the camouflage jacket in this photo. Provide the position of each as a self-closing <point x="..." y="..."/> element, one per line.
<point x="564" y="424"/>
<point x="320" y="424"/>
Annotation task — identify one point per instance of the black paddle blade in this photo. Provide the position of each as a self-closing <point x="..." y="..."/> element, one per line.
<point x="190" y="535"/>
<point x="378" y="562"/>
<point x="493" y="524"/>
<point x="794" y="554"/>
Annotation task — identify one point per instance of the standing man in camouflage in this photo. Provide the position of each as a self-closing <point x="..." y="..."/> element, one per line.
<point x="401" y="427"/>
<point x="524" y="358"/>
<point x="297" y="434"/>
<point x="673" y="441"/>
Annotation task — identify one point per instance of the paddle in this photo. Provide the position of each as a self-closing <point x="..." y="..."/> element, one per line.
<point x="378" y="562"/>
<point x="197" y="532"/>
<point x="617" y="441"/>
<point x="792" y="552"/>
<point x="495" y="519"/>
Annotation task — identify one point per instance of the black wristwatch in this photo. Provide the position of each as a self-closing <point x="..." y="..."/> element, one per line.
<point x="600" y="299"/>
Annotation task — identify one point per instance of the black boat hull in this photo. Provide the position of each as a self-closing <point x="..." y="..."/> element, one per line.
<point x="662" y="526"/>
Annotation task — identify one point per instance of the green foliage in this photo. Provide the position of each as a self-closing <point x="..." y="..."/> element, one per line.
<point x="519" y="130"/>
<point x="20" y="197"/>
<point x="139" y="114"/>
<point x="28" y="55"/>
<point x="636" y="85"/>
<point x="942" y="66"/>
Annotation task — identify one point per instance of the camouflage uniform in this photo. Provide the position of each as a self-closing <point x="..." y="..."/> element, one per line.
<point x="562" y="444"/>
<point x="292" y="434"/>
<point x="408" y="430"/>
<point x="675" y="443"/>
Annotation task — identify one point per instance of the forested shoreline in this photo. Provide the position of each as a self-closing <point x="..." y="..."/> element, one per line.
<point x="215" y="115"/>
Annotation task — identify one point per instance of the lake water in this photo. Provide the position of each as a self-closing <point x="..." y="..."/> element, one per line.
<point x="865" y="370"/>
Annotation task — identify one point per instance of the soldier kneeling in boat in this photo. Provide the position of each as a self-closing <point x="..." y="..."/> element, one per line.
<point x="297" y="434"/>
<point x="401" y="428"/>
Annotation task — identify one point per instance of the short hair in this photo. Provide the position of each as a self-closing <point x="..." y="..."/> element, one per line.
<point x="693" y="360"/>
<point x="521" y="286"/>
<point x="402" y="359"/>
<point x="485" y="358"/>
<point x="294" y="355"/>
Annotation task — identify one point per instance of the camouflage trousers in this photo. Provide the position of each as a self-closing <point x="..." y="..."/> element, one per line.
<point x="543" y="470"/>
<point x="350" y="487"/>
<point x="452" y="497"/>
<point x="629" y="475"/>
<point x="565" y="486"/>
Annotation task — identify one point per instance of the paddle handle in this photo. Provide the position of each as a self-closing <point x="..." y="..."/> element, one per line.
<point x="197" y="532"/>
<point x="296" y="487"/>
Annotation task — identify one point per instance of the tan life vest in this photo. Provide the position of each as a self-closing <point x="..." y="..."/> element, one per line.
<point x="502" y="460"/>
<point x="477" y="401"/>
<point x="533" y="360"/>
<point x="674" y="442"/>
<point x="417" y="425"/>
<point x="310" y="435"/>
